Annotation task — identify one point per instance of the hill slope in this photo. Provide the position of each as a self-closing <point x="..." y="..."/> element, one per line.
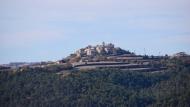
<point x="96" y="88"/>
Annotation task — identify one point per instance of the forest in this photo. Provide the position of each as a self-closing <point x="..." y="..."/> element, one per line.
<point x="97" y="88"/>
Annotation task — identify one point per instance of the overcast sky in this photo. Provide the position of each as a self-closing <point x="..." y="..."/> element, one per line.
<point x="41" y="30"/>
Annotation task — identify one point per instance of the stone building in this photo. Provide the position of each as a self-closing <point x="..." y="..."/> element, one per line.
<point x="90" y="51"/>
<point x="94" y="50"/>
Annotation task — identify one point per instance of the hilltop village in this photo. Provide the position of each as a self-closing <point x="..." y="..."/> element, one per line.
<point x="103" y="56"/>
<point x="109" y="56"/>
<point x="104" y="49"/>
<point x="104" y="52"/>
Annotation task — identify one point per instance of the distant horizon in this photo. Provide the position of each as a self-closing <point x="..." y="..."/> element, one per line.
<point x="43" y="30"/>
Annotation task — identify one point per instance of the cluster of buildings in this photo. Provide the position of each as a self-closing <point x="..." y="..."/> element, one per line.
<point x="94" y="50"/>
<point x="181" y="54"/>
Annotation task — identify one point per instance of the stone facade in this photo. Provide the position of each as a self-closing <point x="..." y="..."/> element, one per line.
<point x="93" y="50"/>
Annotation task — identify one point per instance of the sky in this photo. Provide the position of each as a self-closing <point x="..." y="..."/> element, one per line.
<point x="49" y="30"/>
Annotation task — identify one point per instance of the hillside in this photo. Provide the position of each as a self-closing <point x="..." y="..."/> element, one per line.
<point x="109" y="56"/>
<point x="92" y="78"/>
<point x="37" y="87"/>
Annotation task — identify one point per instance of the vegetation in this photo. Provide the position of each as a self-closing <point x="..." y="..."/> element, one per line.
<point x="97" y="88"/>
